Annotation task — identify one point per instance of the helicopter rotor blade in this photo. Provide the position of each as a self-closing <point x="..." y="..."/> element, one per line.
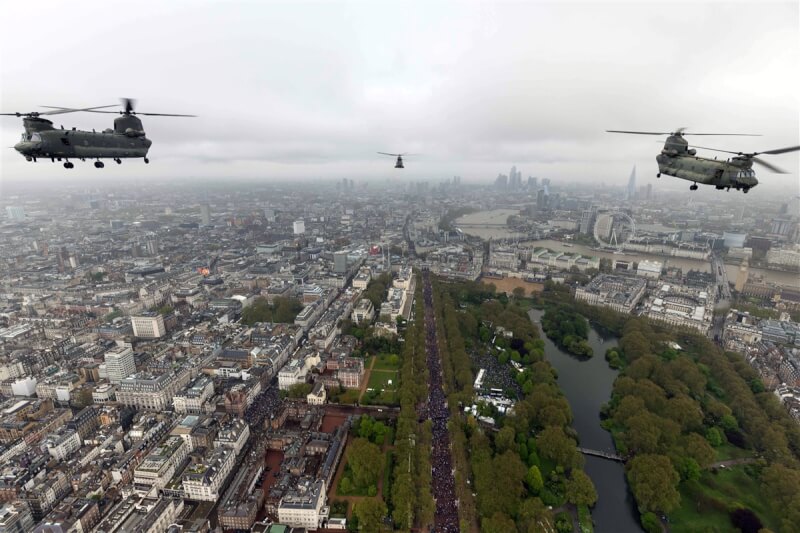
<point x="727" y="134"/>
<point x="769" y="166"/>
<point x="393" y="155"/>
<point x="681" y="131"/>
<point x="779" y="150"/>
<point x="56" y="111"/>
<point x="160" y="114"/>
<point x="640" y="132"/>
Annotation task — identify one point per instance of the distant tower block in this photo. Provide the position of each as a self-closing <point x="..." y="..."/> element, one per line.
<point x="741" y="277"/>
<point x="299" y="227"/>
<point x="205" y="214"/>
<point x="630" y="192"/>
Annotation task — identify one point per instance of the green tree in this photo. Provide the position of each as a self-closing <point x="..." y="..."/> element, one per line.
<point x="689" y="469"/>
<point x="366" y="461"/>
<point x="532" y="515"/>
<point x="555" y="445"/>
<point x="370" y="513"/>
<point x="533" y="478"/>
<point x="498" y="523"/>
<point x="346" y="485"/>
<point x="714" y="437"/>
<point x="299" y="390"/>
<point x="654" y="483"/>
<point x="579" y="489"/>
<point x="505" y="439"/>
<point x="651" y="523"/>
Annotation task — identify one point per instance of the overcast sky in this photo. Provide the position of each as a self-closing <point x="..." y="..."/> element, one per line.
<point x="305" y="90"/>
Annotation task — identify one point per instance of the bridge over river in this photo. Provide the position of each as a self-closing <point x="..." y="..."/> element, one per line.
<point x="605" y="455"/>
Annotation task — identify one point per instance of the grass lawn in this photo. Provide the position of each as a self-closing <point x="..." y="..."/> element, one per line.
<point x="387" y="397"/>
<point x="379" y="379"/>
<point x="585" y="519"/>
<point x="729" y="451"/>
<point x="383" y="363"/>
<point x="705" y="502"/>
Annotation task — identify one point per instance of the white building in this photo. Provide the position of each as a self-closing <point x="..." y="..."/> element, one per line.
<point x="62" y="444"/>
<point x="195" y="396"/>
<point x="620" y="293"/>
<point x="784" y="257"/>
<point x="15" y="213"/>
<point x="304" y="506"/>
<point x="364" y="311"/>
<point x="119" y="363"/>
<point x="24" y="386"/>
<point x="291" y="374"/>
<point x="148" y="326"/>
<point x="103" y="394"/>
<point x="158" y="468"/>
<point x="317" y="395"/>
<point x="649" y="269"/>
<point x="15" y="517"/>
<point x="202" y="481"/>
<point x="145" y="391"/>
<point x="362" y="279"/>
<point x="233" y="434"/>
<point x="299" y="227"/>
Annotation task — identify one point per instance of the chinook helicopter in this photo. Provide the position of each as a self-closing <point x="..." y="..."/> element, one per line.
<point x="399" y="163"/>
<point x="678" y="159"/>
<point x="126" y="140"/>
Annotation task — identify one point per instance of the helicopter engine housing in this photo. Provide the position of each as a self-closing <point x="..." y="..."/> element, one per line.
<point x="128" y="125"/>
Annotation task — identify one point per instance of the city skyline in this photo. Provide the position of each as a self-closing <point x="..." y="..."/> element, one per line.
<point x="315" y="94"/>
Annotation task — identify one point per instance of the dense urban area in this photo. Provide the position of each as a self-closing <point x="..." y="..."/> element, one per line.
<point x="388" y="356"/>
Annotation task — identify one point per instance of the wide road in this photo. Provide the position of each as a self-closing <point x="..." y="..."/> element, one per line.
<point x="443" y="485"/>
<point x="722" y="296"/>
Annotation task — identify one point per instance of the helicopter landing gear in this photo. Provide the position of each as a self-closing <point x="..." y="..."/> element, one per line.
<point x="658" y="175"/>
<point x="746" y="190"/>
<point x="146" y="160"/>
<point x="693" y="187"/>
<point x="28" y="158"/>
<point x="99" y="164"/>
<point x="119" y="161"/>
<point x="68" y="165"/>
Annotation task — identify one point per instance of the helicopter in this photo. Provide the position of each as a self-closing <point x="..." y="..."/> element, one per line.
<point x="399" y="163"/>
<point x="678" y="159"/>
<point x="126" y="140"/>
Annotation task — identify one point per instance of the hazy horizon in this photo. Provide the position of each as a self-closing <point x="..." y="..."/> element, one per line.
<point x="311" y="91"/>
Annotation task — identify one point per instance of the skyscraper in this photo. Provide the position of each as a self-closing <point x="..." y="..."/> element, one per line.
<point x="119" y="363"/>
<point x="630" y="192"/>
<point x="340" y="262"/>
<point x="205" y="214"/>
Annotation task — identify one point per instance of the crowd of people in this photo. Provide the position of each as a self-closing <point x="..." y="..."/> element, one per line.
<point x="497" y="375"/>
<point x="443" y="483"/>
<point x="264" y="405"/>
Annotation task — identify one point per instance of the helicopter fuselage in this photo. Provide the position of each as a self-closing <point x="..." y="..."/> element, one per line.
<point x="41" y="139"/>
<point x="677" y="160"/>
